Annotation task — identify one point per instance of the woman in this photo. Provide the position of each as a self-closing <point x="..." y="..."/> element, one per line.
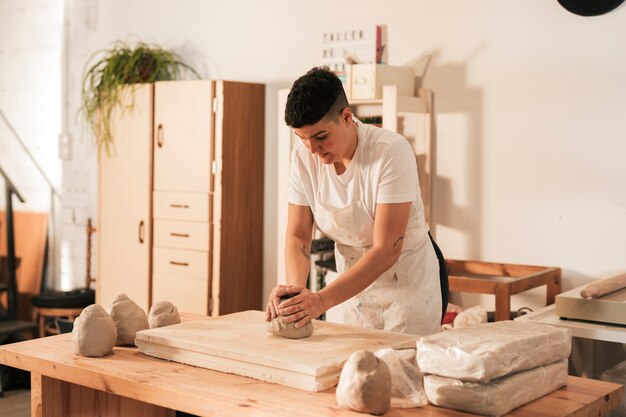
<point x="358" y="184"/>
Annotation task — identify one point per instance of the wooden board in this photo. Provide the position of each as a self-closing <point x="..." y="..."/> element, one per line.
<point x="610" y="308"/>
<point x="31" y="231"/>
<point x="240" y="344"/>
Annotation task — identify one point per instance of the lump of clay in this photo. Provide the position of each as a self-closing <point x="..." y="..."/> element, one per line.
<point x="365" y="384"/>
<point x="129" y="318"/>
<point x="163" y="314"/>
<point x="289" y="330"/>
<point x="94" y="332"/>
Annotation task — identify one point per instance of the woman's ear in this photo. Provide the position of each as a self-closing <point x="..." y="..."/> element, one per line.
<point x="346" y="115"/>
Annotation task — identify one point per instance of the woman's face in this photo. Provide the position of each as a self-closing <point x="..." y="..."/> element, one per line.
<point x="331" y="140"/>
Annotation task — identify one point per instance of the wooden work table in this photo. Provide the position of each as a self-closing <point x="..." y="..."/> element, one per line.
<point x="128" y="383"/>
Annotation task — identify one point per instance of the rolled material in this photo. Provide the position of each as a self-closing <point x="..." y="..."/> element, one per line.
<point x="604" y="287"/>
<point x="499" y="396"/>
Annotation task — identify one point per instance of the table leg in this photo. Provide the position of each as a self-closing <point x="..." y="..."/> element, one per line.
<point x="553" y="288"/>
<point x="51" y="398"/>
<point x="35" y="395"/>
<point x="503" y="303"/>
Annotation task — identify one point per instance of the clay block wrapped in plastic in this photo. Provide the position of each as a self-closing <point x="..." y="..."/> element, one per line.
<point x="406" y="379"/>
<point x="483" y="352"/>
<point x="499" y="396"/>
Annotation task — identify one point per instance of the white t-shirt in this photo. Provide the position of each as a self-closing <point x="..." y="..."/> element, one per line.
<point x="383" y="170"/>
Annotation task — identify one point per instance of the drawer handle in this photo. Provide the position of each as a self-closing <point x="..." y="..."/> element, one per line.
<point x="179" y="234"/>
<point x="185" y="206"/>
<point x="179" y="263"/>
<point x="160" y="135"/>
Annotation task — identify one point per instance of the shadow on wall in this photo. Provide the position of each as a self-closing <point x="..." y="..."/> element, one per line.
<point x="454" y="98"/>
<point x="272" y="271"/>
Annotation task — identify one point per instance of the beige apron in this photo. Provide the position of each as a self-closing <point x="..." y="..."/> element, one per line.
<point x="407" y="297"/>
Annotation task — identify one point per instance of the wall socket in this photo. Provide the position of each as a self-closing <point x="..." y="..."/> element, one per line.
<point x="65" y="146"/>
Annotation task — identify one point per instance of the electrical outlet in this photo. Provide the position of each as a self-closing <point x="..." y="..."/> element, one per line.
<point x="65" y="146"/>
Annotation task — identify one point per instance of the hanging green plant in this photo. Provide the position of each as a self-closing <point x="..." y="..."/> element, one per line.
<point x="120" y="65"/>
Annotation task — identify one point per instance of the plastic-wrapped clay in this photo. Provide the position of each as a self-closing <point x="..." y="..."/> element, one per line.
<point x="364" y="384"/>
<point x="94" y="332"/>
<point x="486" y="351"/>
<point x="129" y="318"/>
<point x="163" y="314"/>
<point x="406" y="379"/>
<point x="470" y="317"/>
<point x="499" y="396"/>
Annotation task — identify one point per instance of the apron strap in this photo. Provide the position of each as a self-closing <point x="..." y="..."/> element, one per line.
<point x="443" y="277"/>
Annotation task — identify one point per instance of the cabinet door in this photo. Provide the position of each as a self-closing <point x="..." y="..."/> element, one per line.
<point x="124" y="202"/>
<point x="182" y="123"/>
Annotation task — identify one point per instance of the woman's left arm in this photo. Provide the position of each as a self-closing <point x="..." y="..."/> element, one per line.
<point x="390" y="224"/>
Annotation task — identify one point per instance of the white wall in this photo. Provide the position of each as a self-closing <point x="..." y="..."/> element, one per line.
<point x="529" y="100"/>
<point x="30" y="97"/>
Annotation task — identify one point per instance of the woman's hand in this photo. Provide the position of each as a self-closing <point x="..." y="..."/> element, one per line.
<point x="278" y="292"/>
<point x="302" y="308"/>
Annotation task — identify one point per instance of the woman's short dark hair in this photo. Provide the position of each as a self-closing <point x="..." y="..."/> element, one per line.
<point x="314" y="96"/>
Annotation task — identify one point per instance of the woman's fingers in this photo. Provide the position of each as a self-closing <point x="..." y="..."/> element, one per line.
<point x="303" y="321"/>
<point x="295" y="317"/>
<point x="285" y="311"/>
<point x="268" y="312"/>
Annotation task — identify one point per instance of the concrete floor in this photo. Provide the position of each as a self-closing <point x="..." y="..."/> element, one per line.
<point x="15" y="403"/>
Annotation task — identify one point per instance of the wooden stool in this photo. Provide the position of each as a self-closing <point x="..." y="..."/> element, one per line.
<point x="502" y="280"/>
<point x="46" y="329"/>
<point x="65" y="304"/>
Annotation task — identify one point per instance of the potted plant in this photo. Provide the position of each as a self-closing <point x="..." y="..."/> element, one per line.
<point x="115" y="67"/>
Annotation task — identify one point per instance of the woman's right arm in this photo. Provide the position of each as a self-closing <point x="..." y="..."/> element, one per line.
<point x="298" y="244"/>
<point x="297" y="254"/>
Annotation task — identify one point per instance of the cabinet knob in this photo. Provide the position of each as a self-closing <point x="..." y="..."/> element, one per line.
<point x="179" y="234"/>
<point x="179" y="263"/>
<point x="160" y="135"/>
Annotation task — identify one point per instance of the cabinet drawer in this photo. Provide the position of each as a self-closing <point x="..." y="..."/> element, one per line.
<point x="188" y="295"/>
<point x="181" y="206"/>
<point x="181" y="235"/>
<point x="181" y="263"/>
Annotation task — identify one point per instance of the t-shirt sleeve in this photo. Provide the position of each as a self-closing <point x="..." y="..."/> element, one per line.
<point x="398" y="180"/>
<point x="296" y="193"/>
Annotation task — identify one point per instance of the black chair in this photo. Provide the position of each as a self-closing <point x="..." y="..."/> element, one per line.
<point x="64" y="325"/>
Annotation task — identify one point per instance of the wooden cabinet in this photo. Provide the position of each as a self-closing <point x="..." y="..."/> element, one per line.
<point x="204" y="199"/>
<point x="124" y="203"/>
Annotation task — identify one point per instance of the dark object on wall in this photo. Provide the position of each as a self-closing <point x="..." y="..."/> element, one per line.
<point x="590" y="7"/>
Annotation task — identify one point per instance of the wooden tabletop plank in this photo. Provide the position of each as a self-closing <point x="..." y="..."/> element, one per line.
<point x="204" y="392"/>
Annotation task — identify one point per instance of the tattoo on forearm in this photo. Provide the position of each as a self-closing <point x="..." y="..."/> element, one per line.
<point x="398" y="241"/>
<point x="305" y="251"/>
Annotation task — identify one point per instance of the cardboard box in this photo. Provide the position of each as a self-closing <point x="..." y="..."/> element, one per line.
<point x="367" y="80"/>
